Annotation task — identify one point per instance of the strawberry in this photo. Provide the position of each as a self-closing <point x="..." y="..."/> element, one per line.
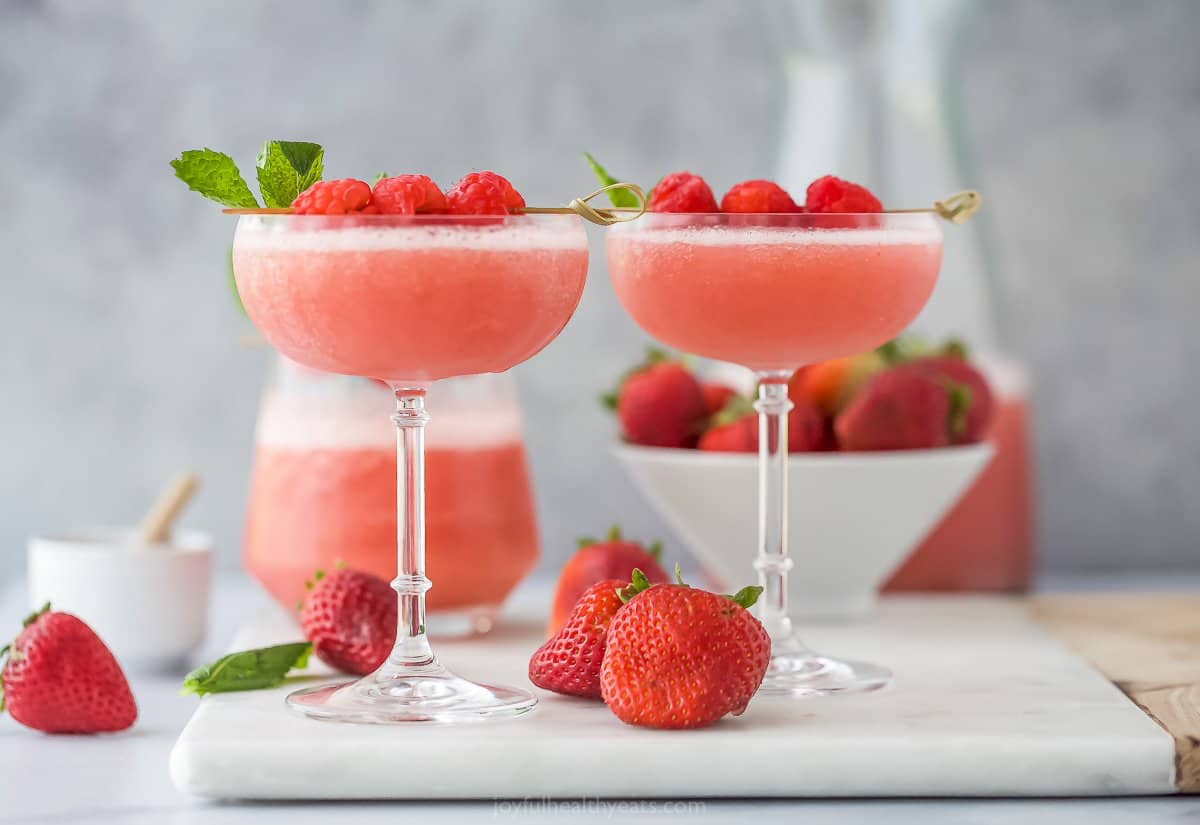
<point x="679" y="657"/>
<point x="833" y="384"/>
<point x="737" y="436"/>
<point x="61" y="678"/>
<point x="350" y="618"/>
<point x="735" y="428"/>
<point x="613" y="558"/>
<point x="977" y="417"/>
<point x="904" y="408"/>
<point x="716" y="396"/>
<point x="569" y="662"/>
<point x="660" y="404"/>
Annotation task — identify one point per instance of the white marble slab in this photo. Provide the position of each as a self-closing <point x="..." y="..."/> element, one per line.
<point x="985" y="703"/>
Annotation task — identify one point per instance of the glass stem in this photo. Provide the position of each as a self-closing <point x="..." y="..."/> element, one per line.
<point x="773" y="563"/>
<point x="412" y="645"/>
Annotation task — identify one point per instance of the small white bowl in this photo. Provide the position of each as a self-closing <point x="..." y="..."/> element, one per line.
<point x="148" y="604"/>
<point x="853" y="517"/>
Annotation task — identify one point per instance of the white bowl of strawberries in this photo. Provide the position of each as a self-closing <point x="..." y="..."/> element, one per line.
<point x="881" y="446"/>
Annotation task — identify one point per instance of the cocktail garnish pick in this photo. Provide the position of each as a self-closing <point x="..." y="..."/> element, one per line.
<point x="957" y="208"/>
<point x="603" y="216"/>
<point x="155" y="527"/>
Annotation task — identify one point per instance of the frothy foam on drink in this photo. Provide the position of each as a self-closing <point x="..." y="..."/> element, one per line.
<point x="781" y="236"/>
<point x="279" y="235"/>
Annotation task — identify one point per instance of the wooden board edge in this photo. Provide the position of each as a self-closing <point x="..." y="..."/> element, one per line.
<point x="1148" y="645"/>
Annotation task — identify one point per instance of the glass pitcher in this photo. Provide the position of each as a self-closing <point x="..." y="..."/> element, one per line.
<point x="323" y="491"/>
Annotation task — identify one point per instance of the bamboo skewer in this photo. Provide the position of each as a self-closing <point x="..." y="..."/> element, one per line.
<point x="956" y="208"/>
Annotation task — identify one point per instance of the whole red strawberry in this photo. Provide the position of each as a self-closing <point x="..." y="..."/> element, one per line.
<point x="903" y="408"/>
<point x="569" y="662"/>
<point x="613" y="558"/>
<point x="973" y="425"/>
<point x="333" y="197"/>
<point x="679" y="657"/>
<point x="407" y="195"/>
<point x="350" y="618"/>
<point x="61" y="678"/>
<point x="735" y="428"/>
<point x="682" y="192"/>
<point x="830" y="194"/>
<point x="660" y="404"/>
<point x="758" y="196"/>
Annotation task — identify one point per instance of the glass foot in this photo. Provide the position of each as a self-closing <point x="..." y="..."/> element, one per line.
<point x="394" y="694"/>
<point x="797" y="671"/>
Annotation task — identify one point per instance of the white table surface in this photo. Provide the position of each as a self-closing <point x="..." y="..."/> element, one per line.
<point x="123" y="778"/>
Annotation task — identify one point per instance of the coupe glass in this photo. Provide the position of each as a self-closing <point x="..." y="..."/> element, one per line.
<point x="774" y="292"/>
<point x="410" y="300"/>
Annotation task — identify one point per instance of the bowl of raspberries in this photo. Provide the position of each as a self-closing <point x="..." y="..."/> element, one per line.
<point x="881" y="446"/>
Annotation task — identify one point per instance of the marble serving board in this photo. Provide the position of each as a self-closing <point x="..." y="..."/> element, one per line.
<point x="985" y="702"/>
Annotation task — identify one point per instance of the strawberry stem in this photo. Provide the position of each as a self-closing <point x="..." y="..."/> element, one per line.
<point x="655" y="551"/>
<point x="33" y="617"/>
<point x="638" y="584"/>
<point x="614" y="533"/>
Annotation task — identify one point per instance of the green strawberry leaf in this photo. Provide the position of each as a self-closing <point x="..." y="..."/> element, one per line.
<point x="286" y="168"/>
<point x="747" y="596"/>
<point x="638" y="583"/>
<point x="960" y="405"/>
<point x="215" y="176"/>
<point x="618" y="197"/>
<point x="264" y="667"/>
<point x="614" y="533"/>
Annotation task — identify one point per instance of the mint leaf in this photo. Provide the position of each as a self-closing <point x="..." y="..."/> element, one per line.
<point x="618" y="197"/>
<point x="286" y="168"/>
<point x="265" y="667"/>
<point x="215" y="176"/>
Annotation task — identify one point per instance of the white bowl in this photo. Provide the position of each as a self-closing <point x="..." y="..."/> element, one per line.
<point x="853" y="517"/>
<point x="148" y="604"/>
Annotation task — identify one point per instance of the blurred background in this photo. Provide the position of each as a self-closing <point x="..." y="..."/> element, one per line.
<point x="1078" y="119"/>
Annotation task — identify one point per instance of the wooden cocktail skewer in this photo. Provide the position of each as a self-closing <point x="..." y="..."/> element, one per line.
<point x="956" y="208"/>
<point x="155" y="527"/>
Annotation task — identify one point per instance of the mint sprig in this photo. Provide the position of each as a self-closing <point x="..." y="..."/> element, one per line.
<point x="286" y="168"/>
<point x="257" y="669"/>
<point x="215" y="176"/>
<point x="618" y="197"/>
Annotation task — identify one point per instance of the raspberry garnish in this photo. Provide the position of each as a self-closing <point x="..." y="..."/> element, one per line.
<point x="407" y="194"/>
<point x="682" y="192"/>
<point x="830" y="194"/>
<point x="333" y="197"/>
<point x="483" y="193"/>
<point x="758" y="196"/>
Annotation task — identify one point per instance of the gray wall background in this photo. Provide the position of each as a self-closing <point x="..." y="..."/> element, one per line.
<point x="120" y="345"/>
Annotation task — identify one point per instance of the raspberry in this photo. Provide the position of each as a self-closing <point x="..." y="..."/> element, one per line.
<point x="682" y="192"/>
<point x="758" y="196"/>
<point x="830" y="194"/>
<point x="407" y="194"/>
<point x="483" y="193"/>
<point x="333" y="197"/>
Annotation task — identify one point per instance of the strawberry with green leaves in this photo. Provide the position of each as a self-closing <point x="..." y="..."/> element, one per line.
<point x="659" y="403"/>
<point x="59" y="677"/>
<point x="681" y="657"/>
<point x="614" y="557"/>
<point x="569" y="662"/>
